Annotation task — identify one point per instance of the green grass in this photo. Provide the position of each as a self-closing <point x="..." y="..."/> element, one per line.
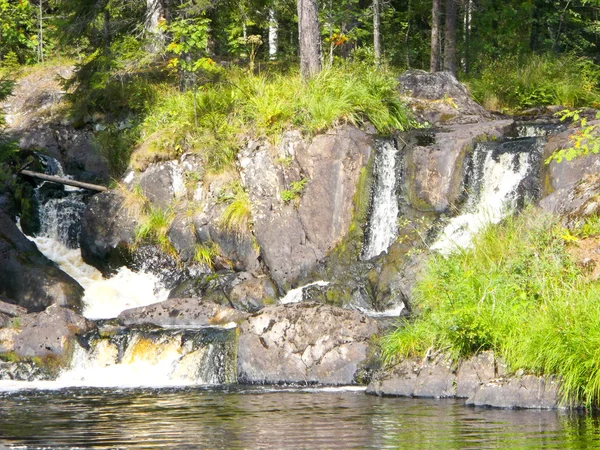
<point x="206" y="253"/>
<point x="237" y="215"/>
<point x="519" y="293"/>
<point x="216" y="120"/>
<point x="537" y="80"/>
<point x="153" y="227"/>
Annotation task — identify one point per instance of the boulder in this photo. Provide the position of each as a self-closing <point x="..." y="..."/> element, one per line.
<point x="240" y="290"/>
<point x="37" y="346"/>
<point x="28" y="278"/>
<point x="435" y="162"/>
<point x="162" y="183"/>
<point x="107" y="232"/>
<point x="528" y="391"/>
<point x="294" y="236"/>
<point x="304" y="343"/>
<point x="440" y="99"/>
<point x="181" y="312"/>
<point x="481" y="379"/>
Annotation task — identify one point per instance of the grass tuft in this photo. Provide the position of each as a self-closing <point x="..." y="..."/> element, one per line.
<point x="519" y="293"/>
<point x="237" y="216"/>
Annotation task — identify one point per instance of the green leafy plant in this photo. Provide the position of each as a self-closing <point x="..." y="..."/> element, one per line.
<point x="205" y="253"/>
<point x="237" y="215"/>
<point x="585" y="140"/>
<point x="295" y="191"/>
<point x="154" y="227"/>
<point x="517" y="292"/>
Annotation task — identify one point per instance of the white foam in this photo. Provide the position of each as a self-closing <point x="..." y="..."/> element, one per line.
<point x="383" y="222"/>
<point x="295" y="295"/>
<point x="497" y="199"/>
<point x="104" y="298"/>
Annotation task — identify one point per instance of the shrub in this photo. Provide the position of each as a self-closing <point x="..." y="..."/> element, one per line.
<point x="519" y="293"/>
<point x="538" y="80"/>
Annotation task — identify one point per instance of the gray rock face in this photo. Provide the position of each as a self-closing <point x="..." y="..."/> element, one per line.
<point x="434" y="170"/>
<point x="49" y="333"/>
<point x="439" y="98"/>
<point x="295" y="236"/>
<point x="107" y="231"/>
<point x="481" y="379"/>
<point x="303" y="343"/>
<point x="180" y="312"/>
<point x="28" y="278"/>
<point x="162" y="183"/>
<point x="527" y="391"/>
<point x="571" y="187"/>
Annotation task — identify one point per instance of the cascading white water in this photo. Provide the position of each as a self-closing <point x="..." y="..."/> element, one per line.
<point x="297" y="295"/>
<point x="383" y="221"/>
<point x="104" y="298"/>
<point x="493" y="194"/>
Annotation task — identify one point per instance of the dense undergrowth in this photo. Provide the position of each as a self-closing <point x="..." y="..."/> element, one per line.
<point x="215" y="119"/>
<point x="517" y="292"/>
<point x="511" y="84"/>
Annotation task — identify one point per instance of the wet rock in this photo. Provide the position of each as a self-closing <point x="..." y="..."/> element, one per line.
<point x="481" y="379"/>
<point x="30" y="279"/>
<point x="439" y="98"/>
<point x="528" y="391"/>
<point x="304" y="343"/>
<point x="107" y="232"/>
<point x="38" y="345"/>
<point x="434" y="167"/>
<point x="242" y="291"/>
<point x="181" y="312"/>
<point x="295" y="236"/>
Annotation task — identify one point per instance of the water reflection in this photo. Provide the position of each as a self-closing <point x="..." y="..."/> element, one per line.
<point x="268" y="419"/>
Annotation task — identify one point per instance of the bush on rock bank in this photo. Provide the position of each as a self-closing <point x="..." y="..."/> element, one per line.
<point x="520" y="292"/>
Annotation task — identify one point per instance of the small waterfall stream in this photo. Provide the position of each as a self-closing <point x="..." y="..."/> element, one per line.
<point x="130" y="357"/>
<point x="382" y="227"/>
<point x="494" y="187"/>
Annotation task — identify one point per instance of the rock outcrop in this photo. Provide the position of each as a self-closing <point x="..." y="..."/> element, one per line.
<point x="304" y="343"/>
<point x="440" y="99"/>
<point x="181" y="312"/>
<point x="482" y="380"/>
<point x="28" y="278"/>
<point x="295" y="235"/>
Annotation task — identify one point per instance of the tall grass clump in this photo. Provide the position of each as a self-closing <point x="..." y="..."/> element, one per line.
<point x="154" y="226"/>
<point x="537" y="80"/>
<point x="517" y="292"/>
<point x="215" y="119"/>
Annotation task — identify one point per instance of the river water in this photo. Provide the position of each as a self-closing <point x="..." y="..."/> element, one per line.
<point x="242" y="417"/>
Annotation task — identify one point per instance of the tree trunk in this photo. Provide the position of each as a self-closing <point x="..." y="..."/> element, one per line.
<point x="330" y="20"/>
<point x="467" y="36"/>
<point x="376" y="32"/>
<point x="154" y="12"/>
<point x="407" y="35"/>
<point x="106" y="31"/>
<point x="450" y="38"/>
<point x="436" y="15"/>
<point x="41" y="36"/>
<point x="273" y="29"/>
<point x="308" y="33"/>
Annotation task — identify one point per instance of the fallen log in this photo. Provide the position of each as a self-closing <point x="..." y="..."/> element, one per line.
<point x="55" y="179"/>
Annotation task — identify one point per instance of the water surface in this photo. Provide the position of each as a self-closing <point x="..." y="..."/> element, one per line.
<point x="239" y="417"/>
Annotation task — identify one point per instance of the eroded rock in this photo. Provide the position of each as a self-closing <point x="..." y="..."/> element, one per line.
<point x="181" y="312"/>
<point x="304" y="343"/>
<point x="28" y="278"/>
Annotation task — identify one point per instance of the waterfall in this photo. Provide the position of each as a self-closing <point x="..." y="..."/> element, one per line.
<point x="297" y="295"/>
<point x="58" y="240"/>
<point x="495" y="185"/>
<point x="382" y="226"/>
<point x="147" y="358"/>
